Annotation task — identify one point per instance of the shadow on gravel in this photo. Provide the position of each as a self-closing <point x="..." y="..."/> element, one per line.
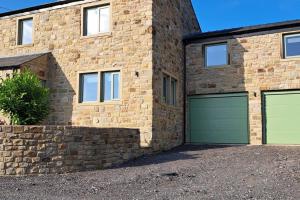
<point x="178" y="153"/>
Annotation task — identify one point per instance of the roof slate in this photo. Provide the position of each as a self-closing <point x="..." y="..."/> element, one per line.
<point x="16" y="61"/>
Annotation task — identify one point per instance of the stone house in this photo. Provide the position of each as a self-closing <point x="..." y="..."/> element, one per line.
<point x="146" y="65"/>
<point x="243" y="85"/>
<point x="108" y="63"/>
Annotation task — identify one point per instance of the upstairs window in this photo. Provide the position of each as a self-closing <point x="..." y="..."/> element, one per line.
<point x="292" y="46"/>
<point x="216" y="55"/>
<point x="169" y="90"/>
<point x="25" y="32"/>
<point x="96" y="20"/>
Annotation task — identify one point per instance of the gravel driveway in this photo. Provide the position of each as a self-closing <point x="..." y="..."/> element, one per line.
<point x="188" y="172"/>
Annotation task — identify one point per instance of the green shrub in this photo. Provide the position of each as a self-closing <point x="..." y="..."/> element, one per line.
<point x="24" y="99"/>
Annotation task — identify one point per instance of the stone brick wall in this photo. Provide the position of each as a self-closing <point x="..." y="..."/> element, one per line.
<point x="172" y="20"/>
<point x="60" y="149"/>
<point x="39" y="66"/>
<point x="256" y="65"/>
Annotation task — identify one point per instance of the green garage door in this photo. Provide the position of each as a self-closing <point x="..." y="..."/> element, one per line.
<point x="219" y="119"/>
<point x="282" y="117"/>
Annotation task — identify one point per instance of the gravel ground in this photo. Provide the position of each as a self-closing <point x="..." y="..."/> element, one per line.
<point x="188" y="172"/>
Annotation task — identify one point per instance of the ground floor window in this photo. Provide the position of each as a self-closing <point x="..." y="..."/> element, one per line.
<point x="89" y="87"/>
<point x="99" y="86"/>
<point x="169" y="90"/>
<point x="110" y="86"/>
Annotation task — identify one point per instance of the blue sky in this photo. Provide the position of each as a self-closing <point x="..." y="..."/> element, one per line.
<point x="216" y="14"/>
<point x="222" y="14"/>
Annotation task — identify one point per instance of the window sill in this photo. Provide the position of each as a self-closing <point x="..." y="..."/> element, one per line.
<point x="217" y="67"/>
<point x="169" y="106"/>
<point x="24" y="45"/>
<point x="290" y="59"/>
<point x="96" y="35"/>
<point x="117" y="102"/>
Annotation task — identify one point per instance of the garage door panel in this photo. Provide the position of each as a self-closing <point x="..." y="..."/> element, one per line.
<point x="219" y="119"/>
<point x="282" y="111"/>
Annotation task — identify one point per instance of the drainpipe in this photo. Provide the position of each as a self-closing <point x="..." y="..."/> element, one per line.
<point x="184" y="93"/>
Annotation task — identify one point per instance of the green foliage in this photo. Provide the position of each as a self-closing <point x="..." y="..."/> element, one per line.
<point x="24" y="99"/>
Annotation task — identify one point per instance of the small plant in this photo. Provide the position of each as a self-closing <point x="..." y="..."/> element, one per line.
<point x="24" y="99"/>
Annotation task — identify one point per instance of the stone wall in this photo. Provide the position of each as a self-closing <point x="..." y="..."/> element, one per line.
<point x="39" y="66"/>
<point x="62" y="149"/>
<point x="256" y="65"/>
<point x="171" y="21"/>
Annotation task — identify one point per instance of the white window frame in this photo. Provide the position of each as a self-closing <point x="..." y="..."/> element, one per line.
<point x="111" y="86"/>
<point x="169" y="101"/>
<point x="216" y="44"/>
<point x="84" y="19"/>
<point x="284" y="43"/>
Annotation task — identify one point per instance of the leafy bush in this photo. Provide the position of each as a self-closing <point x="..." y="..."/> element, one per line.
<point x="24" y="99"/>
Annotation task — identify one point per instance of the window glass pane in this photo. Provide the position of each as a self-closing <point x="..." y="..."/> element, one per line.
<point x="166" y="89"/>
<point x="92" y="21"/>
<point x="89" y="87"/>
<point x="107" y="86"/>
<point x="216" y="55"/>
<point x="104" y="20"/>
<point x="43" y="83"/>
<point x="173" y="91"/>
<point x="116" y="86"/>
<point x="292" y="44"/>
<point x="26" y="31"/>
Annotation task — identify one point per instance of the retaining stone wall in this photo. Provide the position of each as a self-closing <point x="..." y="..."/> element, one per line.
<point x="61" y="149"/>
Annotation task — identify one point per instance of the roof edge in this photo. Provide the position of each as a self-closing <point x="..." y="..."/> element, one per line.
<point x="242" y="30"/>
<point x="18" y="63"/>
<point x="38" y="7"/>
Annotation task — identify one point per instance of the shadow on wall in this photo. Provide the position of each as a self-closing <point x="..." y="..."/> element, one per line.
<point x="61" y="94"/>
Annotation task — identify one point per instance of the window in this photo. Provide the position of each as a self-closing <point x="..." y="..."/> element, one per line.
<point x="291" y="46"/>
<point x="166" y="88"/>
<point x="110" y="86"/>
<point x="43" y="83"/>
<point x="96" y="20"/>
<point x="25" y="31"/>
<point x="173" y="91"/>
<point x="89" y="87"/>
<point x="169" y="90"/>
<point x="216" y="55"/>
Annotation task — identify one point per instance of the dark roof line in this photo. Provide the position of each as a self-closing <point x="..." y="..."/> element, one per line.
<point x="16" y="61"/>
<point x="43" y="6"/>
<point x="242" y="30"/>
